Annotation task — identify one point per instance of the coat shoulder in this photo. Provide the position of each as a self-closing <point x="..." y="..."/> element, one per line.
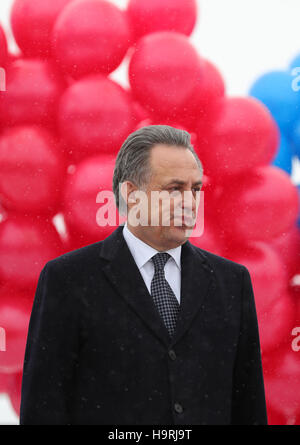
<point x="77" y="259"/>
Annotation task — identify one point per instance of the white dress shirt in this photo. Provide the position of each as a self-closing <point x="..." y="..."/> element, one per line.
<point x="142" y="254"/>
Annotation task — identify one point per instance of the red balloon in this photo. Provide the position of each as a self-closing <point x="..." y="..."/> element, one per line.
<point x="258" y="206"/>
<point x="294" y="288"/>
<point x="3" y="48"/>
<point x="163" y="73"/>
<point x="81" y="209"/>
<point x="242" y="137"/>
<point x="14" y="319"/>
<point x="287" y="245"/>
<point x="202" y="107"/>
<point x="267" y="269"/>
<point x="205" y="103"/>
<point x="5" y="379"/>
<point x="14" y="392"/>
<point x="276" y="324"/>
<point x="90" y="37"/>
<point x="26" y="244"/>
<point x="282" y="387"/>
<point x="207" y="241"/>
<point x="95" y="115"/>
<point x="32" y="92"/>
<point x="275" y="418"/>
<point x="168" y="15"/>
<point x="139" y="112"/>
<point x="31" y="170"/>
<point x="32" y="23"/>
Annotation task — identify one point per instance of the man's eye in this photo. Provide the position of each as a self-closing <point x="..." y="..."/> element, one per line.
<point x="171" y="189"/>
<point x="197" y="189"/>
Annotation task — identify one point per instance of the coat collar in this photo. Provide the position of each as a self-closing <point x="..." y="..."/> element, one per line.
<point x="197" y="279"/>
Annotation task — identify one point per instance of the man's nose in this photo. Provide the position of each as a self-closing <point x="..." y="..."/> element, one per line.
<point x="188" y="204"/>
<point x="190" y="201"/>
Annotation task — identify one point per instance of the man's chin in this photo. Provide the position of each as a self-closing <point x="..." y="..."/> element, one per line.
<point x="182" y="232"/>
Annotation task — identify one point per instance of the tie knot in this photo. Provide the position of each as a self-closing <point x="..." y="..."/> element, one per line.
<point x="159" y="260"/>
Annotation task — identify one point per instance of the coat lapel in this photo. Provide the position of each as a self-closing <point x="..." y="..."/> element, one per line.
<point x="197" y="279"/>
<point x="124" y="275"/>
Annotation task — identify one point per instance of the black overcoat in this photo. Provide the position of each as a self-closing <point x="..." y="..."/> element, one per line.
<point x="98" y="352"/>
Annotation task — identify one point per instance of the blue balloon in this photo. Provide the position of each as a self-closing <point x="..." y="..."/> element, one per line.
<point x="284" y="156"/>
<point x="295" y="138"/>
<point x="280" y="92"/>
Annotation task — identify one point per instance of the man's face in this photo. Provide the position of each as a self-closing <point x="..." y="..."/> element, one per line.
<point x="176" y="173"/>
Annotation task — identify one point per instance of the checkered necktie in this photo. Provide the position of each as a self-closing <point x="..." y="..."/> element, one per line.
<point x="163" y="296"/>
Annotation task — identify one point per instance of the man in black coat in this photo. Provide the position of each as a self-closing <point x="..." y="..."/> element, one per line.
<point x="143" y="328"/>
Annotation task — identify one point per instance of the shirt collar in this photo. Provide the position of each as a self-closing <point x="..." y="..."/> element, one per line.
<point x="142" y="252"/>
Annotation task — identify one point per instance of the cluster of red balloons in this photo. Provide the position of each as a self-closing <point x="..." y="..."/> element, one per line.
<point x="62" y="122"/>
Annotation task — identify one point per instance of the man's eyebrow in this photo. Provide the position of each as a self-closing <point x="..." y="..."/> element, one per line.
<point x="180" y="182"/>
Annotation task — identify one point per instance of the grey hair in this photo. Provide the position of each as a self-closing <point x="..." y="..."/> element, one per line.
<point x="132" y="162"/>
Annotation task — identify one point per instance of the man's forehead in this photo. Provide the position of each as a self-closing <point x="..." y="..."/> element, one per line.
<point x="179" y="181"/>
<point x="172" y="158"/>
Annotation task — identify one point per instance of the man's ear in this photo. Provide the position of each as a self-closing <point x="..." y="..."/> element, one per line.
<point x="132" y="198"/>
<point x="128" y="192"/>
